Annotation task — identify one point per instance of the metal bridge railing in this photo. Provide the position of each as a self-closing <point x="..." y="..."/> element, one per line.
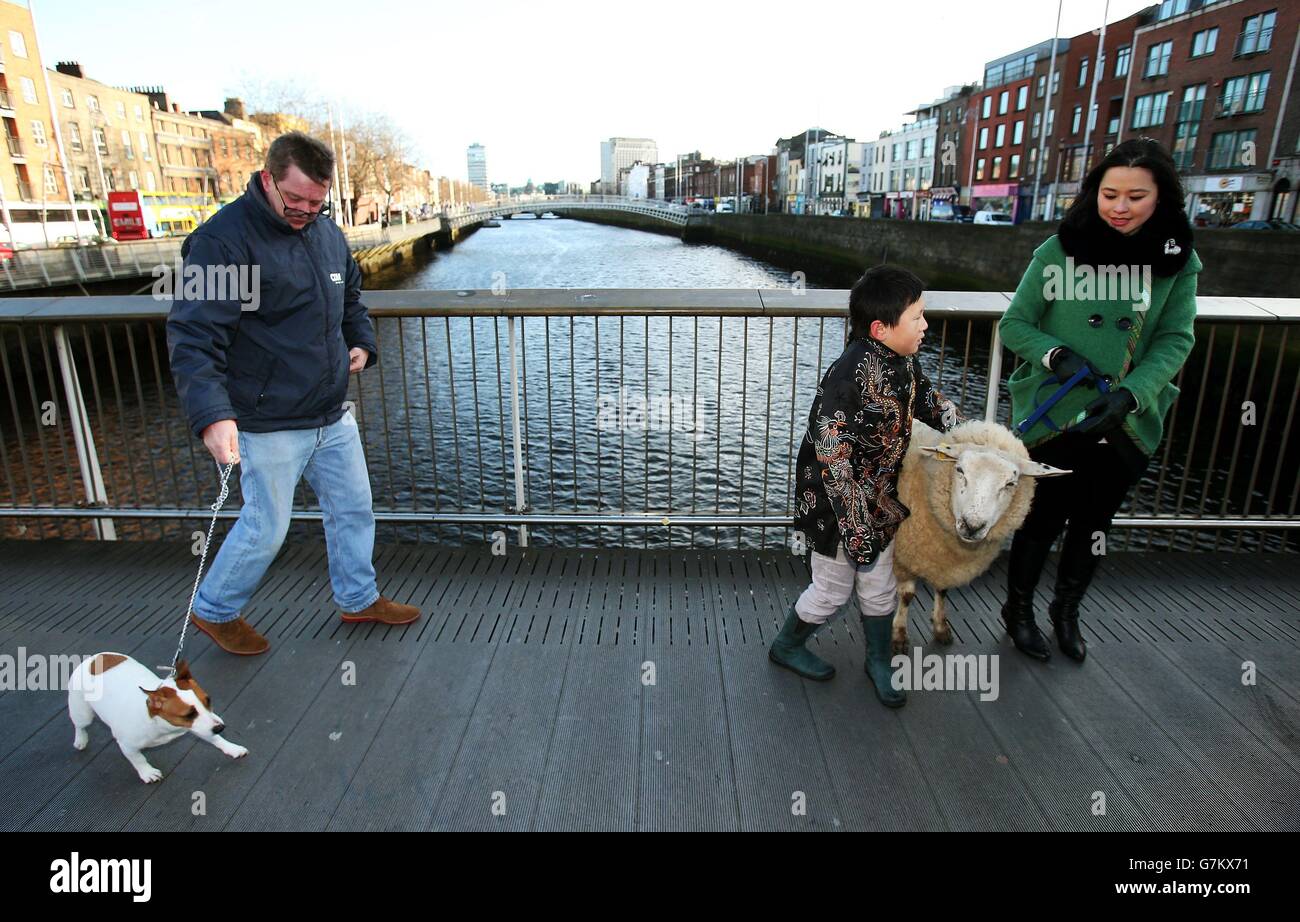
<point x="594" y="417"/>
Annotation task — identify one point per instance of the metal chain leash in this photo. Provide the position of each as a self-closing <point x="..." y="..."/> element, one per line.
<point x="207" y="542"/>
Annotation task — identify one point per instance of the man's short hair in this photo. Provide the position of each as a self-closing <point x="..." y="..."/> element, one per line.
<point x="310" y="155"/>
<point x="883" y="293"/>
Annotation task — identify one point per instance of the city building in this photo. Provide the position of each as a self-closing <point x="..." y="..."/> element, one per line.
<point x="1215" y="83"/>
<point x="184" y="144"/>
<point x="1002" y="126"/>
<point x="477" y="158"/>
<point x="34" y="178"/>
<point x="238" y="147"/>
<point x="954" y="117"/>
<point x="620" y="153"/>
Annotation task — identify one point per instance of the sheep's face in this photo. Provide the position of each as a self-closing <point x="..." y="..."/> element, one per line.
<point x="983" y="484"/>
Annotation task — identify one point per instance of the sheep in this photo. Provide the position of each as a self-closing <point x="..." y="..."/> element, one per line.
<point x="968" y="490"/>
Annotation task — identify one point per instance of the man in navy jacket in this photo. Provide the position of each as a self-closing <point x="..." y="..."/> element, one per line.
<point x="262" y="371"/>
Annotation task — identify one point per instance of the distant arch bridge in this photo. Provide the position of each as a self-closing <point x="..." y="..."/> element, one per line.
<point x="668" y="213"/>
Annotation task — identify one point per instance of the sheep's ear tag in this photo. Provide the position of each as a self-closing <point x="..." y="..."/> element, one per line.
<point x="944" y="451"/>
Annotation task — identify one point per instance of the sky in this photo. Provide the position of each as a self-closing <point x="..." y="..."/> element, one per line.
<point x="541" y="85"/>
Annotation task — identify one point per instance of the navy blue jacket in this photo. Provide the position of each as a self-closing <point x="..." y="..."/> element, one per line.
<point x="285" y="364"/>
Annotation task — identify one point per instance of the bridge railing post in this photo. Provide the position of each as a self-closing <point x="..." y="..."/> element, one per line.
<point x="92" y="478"/>
<point x="521" y="489"/>
<point x="995" y="376"/>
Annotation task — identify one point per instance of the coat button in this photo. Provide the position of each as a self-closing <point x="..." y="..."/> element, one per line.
<point x="1124" y="323"/>
<point x="1096" y="320"/>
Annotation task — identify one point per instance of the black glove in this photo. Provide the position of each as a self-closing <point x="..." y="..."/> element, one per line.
<point x="1107" y="412"/>
<point x="1066" y="362"/>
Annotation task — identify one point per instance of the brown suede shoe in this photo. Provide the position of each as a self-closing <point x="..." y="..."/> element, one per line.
<point x="385" y="611"/>
<point x="235" y="636"/>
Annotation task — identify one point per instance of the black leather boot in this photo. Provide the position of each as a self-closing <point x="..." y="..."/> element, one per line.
<point x="1073" y="576"/>
<point x="1028" y="554"/>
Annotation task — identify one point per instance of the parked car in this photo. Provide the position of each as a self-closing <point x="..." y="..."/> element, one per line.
<point x="1267" y="225"/>
<point x="993" y="217"/>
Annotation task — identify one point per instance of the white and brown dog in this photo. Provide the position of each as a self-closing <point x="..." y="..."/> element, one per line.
<point x="141" y="712"/>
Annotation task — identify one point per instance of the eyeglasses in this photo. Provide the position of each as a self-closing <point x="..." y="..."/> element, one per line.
<point x="298" y="213"/>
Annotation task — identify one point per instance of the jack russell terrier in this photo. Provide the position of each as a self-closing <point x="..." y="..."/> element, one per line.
<point x="117" y="688"/>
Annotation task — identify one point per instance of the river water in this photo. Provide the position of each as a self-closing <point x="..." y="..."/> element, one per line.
<point x="680" y="415"/>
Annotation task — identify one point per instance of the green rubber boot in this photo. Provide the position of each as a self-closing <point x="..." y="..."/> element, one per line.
<point x="876" y="631"/>
<point x="788" y="649"/>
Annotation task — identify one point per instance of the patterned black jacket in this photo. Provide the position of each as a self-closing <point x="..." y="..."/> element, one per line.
<point x="846" y="476"/>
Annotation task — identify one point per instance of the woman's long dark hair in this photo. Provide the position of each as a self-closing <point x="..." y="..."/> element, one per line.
<point x="1089" y="239"/>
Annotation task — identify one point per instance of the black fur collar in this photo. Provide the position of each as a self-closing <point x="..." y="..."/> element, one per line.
<point x="1164" y="242"/>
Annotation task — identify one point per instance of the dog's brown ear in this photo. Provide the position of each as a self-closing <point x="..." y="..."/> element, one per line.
<point x="182" y="671"/>
<point x="157" y="698"/>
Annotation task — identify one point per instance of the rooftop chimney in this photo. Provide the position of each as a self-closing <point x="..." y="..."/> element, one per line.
<point x="71" y="68"/>
<point x="235" y="107"/>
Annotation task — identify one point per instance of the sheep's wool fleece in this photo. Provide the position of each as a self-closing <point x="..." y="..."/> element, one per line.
<point x="926" y="545"/>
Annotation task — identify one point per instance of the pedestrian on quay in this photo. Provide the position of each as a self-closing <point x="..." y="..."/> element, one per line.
<point x="1128" y="331"/>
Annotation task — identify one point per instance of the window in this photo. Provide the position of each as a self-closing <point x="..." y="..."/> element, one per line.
<point x="1172" y="8"/>
<point x="1018" y="133"/>
<point x="1004" y="100"/>
<point x="911" y="150"/>
<point x="51" y="180"/>
<point x="898" y="150"/>
<point x="29" y="90"/>
<point x="1038" y="120"/>
<point x="74" y="136"/>
<point x="225" y="148"/>
<point x="997" y="168"/>
<point x="1228" y="147"/>
<point x="1092" y="117"/>
<point x="1243" y="94"/>
<point x="139" y="113"/>
<point x="1013" y="171"/>
<point x="1076" y="120"/>
<point x="83" y="179"/>
<point x="1122" y="57"/>
<point x="1001" y="136"/>
<point x="1203" y="42"/>
<point x="1158" y="59"/>
<point x="92" y="103"/>
<point x="1149" y="110"/>
<point x="984" y="138"/>
<point x="927" y="147"/>
<point x="100" y="143"/>
<point x="1022" y="98"/>
<point x="144" y="146"/>
<point x="979" y="168"/>
<point x="127" y="150"/>
<point x="121" y="110"/>
<point x="68" y="102"/>
<point x="1256" y="33"/>
<point x="38" y="132"/>
<point x="18" y="43"/>
<point x="1083" y="72"/>
<point x="988" y="107"/>
<point x="1051" y="121"/>
<point x="1042" y="87"/>
<point x="1188" y="126"/>
<point x="149" y="181"/>
<point x="133" y="180"/>
<point x="1056" y="82"/>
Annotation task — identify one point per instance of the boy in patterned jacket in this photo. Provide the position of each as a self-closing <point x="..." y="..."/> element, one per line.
<point x="847" y="509"/>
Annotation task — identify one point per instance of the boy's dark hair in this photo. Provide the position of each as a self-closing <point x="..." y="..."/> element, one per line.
<point x="310" y="155"/>
<point x="883" y="293"/>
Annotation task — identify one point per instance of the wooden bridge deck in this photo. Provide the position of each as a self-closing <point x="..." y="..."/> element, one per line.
<point x="519" y="700"/>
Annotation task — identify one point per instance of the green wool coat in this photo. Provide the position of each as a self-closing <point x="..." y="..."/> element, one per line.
<point x="1052" y="307"/>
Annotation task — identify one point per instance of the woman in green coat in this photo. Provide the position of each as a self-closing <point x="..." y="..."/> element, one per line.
<point x="1112" y="296"/>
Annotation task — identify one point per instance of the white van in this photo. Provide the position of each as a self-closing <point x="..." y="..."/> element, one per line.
<point x="992" y="217"/>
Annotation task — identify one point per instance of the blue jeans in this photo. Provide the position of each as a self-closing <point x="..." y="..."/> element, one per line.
<point x="270" y="465"/>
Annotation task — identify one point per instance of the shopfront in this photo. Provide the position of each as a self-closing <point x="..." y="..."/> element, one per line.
<point x="1000" y="197"/>
<point x="942" y="198"/>
<point x="898" y="204"/>
<point x="1221" y="201"/>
